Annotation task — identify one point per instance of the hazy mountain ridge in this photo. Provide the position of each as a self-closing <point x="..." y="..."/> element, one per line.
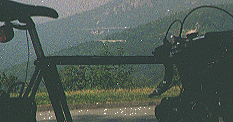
<point x="79" y="28"/>
<point x="142" y="39"/>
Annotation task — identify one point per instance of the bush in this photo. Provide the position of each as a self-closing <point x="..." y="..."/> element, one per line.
<point x="7" y="81"/>
<point x="100" y="77"/>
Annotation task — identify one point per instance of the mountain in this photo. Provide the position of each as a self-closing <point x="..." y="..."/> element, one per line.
<point x="95" y="24"/>
<point x="64" y="8"/>
<point x="142" y="39"/>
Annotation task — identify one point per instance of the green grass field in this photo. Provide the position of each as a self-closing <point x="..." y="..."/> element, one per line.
<point x="108" y="96"/>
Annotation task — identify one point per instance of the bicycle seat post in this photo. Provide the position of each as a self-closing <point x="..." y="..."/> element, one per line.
<point x="35" y="39"/>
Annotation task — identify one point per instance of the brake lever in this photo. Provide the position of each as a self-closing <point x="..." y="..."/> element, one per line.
<point x="165" y="85"/>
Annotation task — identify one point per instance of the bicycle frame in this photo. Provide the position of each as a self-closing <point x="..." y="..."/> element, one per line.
<point x="46" y="69"/>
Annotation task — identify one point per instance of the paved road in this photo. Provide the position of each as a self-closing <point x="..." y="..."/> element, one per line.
<point x="129" y="114"/>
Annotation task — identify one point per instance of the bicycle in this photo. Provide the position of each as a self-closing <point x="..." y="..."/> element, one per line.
<point x="23" y="108"/>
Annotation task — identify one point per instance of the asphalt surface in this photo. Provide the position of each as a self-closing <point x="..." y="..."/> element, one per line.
<point x="121" y="114"/>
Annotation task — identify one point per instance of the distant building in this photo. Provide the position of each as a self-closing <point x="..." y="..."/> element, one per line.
<point x="111" y="41"/>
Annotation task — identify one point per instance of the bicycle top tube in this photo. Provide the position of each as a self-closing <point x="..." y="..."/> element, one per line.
<point x="10" y="11"/>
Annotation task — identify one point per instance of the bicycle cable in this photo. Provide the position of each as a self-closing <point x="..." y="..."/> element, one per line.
<point x="28" y="56"/>
<point x="204" y="6"/>
<point x="177" y="20"/>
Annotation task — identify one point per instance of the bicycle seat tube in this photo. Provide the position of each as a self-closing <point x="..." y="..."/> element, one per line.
<point x="51" y="77"/>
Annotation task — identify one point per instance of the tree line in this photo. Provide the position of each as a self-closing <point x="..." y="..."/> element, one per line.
<point x="88" y="76"/>
<point x="98" y="76"/>
<point x="7" y="81"/>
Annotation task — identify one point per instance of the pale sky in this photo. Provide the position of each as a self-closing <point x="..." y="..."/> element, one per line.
<point x="64" y="7"/>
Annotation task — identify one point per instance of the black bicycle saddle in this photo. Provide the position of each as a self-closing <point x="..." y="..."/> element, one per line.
<point x="10" y="10"/>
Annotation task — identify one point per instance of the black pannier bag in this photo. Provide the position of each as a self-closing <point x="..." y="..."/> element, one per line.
<point x="205" y="67"/>
<point x="17" y="109"/>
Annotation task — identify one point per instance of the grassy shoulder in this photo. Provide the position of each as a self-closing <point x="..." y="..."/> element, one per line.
<point x="108" y="96"/>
